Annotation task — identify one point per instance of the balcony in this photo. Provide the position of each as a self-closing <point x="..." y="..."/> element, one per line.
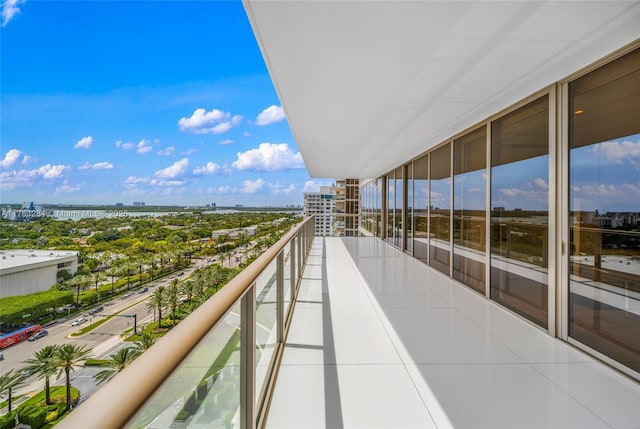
<point x="374" y="338"/>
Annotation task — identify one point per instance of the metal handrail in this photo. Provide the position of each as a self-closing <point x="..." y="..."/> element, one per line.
<point x="119" y="400"/>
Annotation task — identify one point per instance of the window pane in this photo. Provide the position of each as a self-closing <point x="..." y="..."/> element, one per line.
<point x="399" y="213"/>
<point x="391" y="204"/>
<point x="469" y="209"/>
<point x="604" y="202"/>
<point x="440" y="202"/>
<point x="409" y="208"/>
<point x="520" y="210"/>
<point x="420" y="198"/>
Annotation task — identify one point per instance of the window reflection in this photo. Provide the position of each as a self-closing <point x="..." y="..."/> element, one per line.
<point x="399" y="211"/>
<point x="408" y="220"/>
<point x="519" y="210"/>
<point x="440" y="208"/>
<point x="420" y="214"/>
<point x="469" y="209"/>
<point x="391" y="206"/>
<point x="604" y="204"/>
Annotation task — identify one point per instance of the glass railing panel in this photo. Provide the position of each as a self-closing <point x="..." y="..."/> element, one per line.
<point x="286" y="266"/>
<point x="266" y="324"/>
<point x="204" y="391"/>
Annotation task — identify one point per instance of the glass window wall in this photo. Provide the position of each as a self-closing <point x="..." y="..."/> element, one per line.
<point x="399" y="210"/>
<point x="604" y="210"/>
<point x="420" y="213"/>
<point x="520" y="210"/>
<point x="440" y="209"/>
<point x="408" y="221"/>
<point x="469" y="209"/>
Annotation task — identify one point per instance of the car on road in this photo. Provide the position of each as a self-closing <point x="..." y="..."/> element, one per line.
<point x="96" y="310"/>
<point x="79" y="321"/>
<point x="38" y="335"/>
<point x="1" y="356"/>
<point x="143" y="290"/>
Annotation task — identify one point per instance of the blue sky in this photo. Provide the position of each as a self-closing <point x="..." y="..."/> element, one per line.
<point x="167" y="102"/>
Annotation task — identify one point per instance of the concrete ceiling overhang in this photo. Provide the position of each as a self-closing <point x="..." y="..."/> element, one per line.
<point x="368" y="85"/>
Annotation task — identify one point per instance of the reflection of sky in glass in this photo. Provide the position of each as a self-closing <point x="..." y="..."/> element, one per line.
<point x="521" y="185"/>
<point x="606" y="176"/>
<point x="469" y="191"/>
<point x="440" y="193"/>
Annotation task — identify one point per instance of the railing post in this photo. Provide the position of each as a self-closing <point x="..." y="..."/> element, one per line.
<point x="294" y="280"/>
<point x="280" y="296"/>
<point x="247" y="359"/>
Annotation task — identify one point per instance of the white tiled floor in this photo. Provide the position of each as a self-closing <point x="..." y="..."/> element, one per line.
<point x="378" y="339"/>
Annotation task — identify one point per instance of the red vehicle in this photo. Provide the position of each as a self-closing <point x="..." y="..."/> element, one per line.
<point x="18" y="336"/>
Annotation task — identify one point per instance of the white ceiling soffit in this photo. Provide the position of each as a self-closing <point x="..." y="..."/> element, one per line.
<point x="367" y="85"/>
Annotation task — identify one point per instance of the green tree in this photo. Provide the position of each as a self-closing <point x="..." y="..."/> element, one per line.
<point x="117" y="362"/>
<point x="43" y="365"/>
<point x="67" y="358"/>
<point x="157" y="301"/>
<point x="9" y="382"/>
<point x="173" y="299"/>
<point x="145" y="342"/>
<point x="112" y="272"/>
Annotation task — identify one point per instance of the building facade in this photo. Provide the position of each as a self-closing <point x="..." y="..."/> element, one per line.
<point x="27" y="271"/>
<point x="322" y="205"/>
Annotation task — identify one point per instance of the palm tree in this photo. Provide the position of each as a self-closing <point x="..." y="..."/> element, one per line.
<point x="157" y="301"/>
<point x="189" y="288"/>
<point x="173" y="299"/>
<point x="10" y="381"/>
<point x="68" y="357"/>
<point x="145" y="342"/>
<point x="78" y="282"/>
<point x="97" y="278"/>
<point x="43" y="365"/>
<point x="112" y="272"/>
<point x="117" y="362"/>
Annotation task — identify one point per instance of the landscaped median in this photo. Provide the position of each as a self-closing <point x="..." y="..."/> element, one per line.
<point x="36" y="413"/>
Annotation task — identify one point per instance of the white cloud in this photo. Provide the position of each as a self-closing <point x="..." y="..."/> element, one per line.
<point x="191" y="151"/>
<point x="49" y="171"/>
<point x="269" y="157"/>
<point x="210" y="168"/>
<point x="102" y="165"/>
<point x="283" y="189"/>
<point x="125" y="145"/>
<point x="252" y="186"/>
<point x="168" y="151"/>
<point x="618" y="152"/>
<point x="10" y="9"/>
<point x="26" y="159"/>
<point x="540" y="183"/>
<point x="227" y="141"/>
<point x="176" y="169"/>
<point x="26" y="178"/>
<point x="144" y="147"/>
<point x="66" y="188"/>
<point x="10" y="158"/>
<point x="84" y="143"/>
<point x="270" y="115"/>
<point x="314" y="185"/>
<point x="97" y="166"/>
<point x="212" y="122"/>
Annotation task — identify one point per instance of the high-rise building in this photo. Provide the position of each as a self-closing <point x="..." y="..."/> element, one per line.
<point x="322" y="205"/>
<point x="347" y="213"/>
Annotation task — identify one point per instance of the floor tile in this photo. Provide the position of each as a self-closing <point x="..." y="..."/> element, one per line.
<point x="609" y="394"/>
<point x="498" y="396"/>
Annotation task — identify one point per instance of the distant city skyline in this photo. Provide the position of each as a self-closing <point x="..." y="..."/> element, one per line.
<point x="164" y="102"/>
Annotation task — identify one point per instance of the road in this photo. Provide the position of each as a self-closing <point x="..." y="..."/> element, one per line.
<point x="104" y="340"/>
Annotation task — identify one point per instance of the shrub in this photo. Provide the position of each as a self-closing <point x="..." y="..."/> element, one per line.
<point x="32" y="415"/>
<point x="8" y="421"/>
